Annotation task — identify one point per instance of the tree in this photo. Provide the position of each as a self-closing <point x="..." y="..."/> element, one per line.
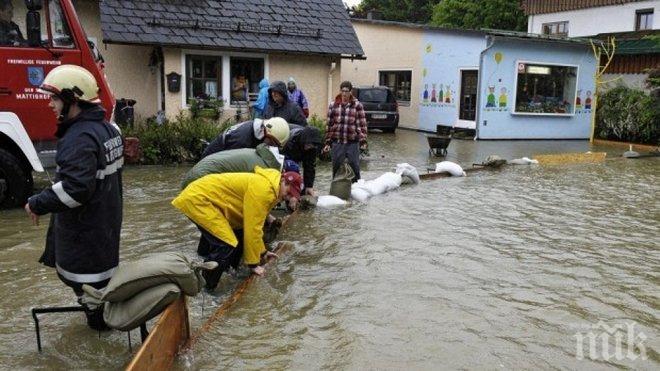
<point x="415" y="11"/>
<point x="477" y="14"/>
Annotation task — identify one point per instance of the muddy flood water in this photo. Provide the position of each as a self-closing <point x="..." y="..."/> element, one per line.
<point x="519" y="268"/>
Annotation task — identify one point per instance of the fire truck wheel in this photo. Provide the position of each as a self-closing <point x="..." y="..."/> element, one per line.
<point x="15" y="181"/>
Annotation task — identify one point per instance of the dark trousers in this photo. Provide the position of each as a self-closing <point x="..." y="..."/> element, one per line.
<point x="77" y="287"/>
<point x="214" y="249"/>
<point x="349" y="151"/>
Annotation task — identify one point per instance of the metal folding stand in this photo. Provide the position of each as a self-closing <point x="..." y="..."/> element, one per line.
<point x="36" y="311"/>
<point x="79" y="308"/>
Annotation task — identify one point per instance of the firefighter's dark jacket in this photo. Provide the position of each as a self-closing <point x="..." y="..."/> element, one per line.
<point x="238" y="136"/>
<point x="303" y="147"/>
<point x="86" y="199"/>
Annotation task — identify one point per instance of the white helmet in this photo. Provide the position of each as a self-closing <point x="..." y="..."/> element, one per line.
<point x="278" y="129"/>
<point x="71" y="83"/>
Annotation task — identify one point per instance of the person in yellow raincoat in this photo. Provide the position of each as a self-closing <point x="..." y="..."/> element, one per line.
<point x="230" y="210"/>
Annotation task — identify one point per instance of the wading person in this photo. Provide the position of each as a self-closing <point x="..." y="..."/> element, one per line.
<point x="249" y="134"/>
<point x="303" y="147"/>
<point x="230" y="211"/>
<point x="82" y="243"/>
<point x="346" y="130"/>
<point x="279" y="105"/>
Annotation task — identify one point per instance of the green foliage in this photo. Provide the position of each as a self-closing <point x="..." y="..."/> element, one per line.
<point x="177" y="141"/>
<point x="628" y="115"/>
<point x="415" y="11"/>
<point x="210" y="107"/>
<point x="478" y="14"/>
<point x="318" y="123"/>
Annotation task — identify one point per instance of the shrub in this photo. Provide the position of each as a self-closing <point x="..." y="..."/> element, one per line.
<point x="628" y="115"/>
<point x="318" y="123"/>
<point x="180" y="140"/>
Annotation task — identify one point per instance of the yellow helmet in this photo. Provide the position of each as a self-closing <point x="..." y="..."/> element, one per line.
<point x="71" y="82"/>
<point x="278" y="129"/>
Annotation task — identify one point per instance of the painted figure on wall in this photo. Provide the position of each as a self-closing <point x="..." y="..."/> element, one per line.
<point x="433" y="100"/>
<point x="587" y="100"/>
<point x="502" y="99"/>
<point x="447" y="94"/>
<point x="490" y="99"/>
<point x="425" y="96"/>
<point x="578" y="100"/>
<point x="441" y="94"/>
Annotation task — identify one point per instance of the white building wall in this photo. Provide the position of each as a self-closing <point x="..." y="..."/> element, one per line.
<point x="592" y="21"/>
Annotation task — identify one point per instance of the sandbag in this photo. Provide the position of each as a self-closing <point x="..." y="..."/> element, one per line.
<point x="359" y="194"/>
<point x="408" y="172"/>
<point x="341" y="182"/>
<point x="129" y="314"/>
<point x="523" y="161"/>
<point x="449" y="167"/>
<point x="134" y="277"/>
<point x="329" y="201"/>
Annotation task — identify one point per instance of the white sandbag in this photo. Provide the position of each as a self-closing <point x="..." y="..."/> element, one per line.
<point x="523" y="161"/>
<point x="384" y="183"/>
<point x="408" y="172"/>
<point x="359" y="194"/>
<point x="449" y="167"/>
<point x="329" y="201"/>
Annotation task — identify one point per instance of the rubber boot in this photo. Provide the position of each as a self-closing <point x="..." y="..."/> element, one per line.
<point x="95" y="319"/>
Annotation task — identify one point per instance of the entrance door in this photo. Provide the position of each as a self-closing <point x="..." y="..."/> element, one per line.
<point x="468" y="103"/>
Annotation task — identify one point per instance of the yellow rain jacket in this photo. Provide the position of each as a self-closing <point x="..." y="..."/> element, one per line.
<point x="220" y="203"/>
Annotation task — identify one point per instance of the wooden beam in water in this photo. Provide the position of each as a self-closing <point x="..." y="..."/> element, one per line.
<point x="167" y="336"/>
<point x="235" y="296"/>
<point x="571" y="158"/>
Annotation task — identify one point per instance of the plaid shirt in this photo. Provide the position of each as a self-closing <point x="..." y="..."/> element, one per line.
<point x="346" y="122"/>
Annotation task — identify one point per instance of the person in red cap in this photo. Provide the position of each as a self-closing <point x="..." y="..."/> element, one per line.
<point x="230" y="210"/>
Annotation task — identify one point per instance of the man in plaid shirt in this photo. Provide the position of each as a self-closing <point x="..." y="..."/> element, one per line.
<point x="347" y="130"/>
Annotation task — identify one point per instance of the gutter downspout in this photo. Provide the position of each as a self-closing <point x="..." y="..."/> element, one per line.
<point x="333" y="67"/>
<point x="489" y="44"/>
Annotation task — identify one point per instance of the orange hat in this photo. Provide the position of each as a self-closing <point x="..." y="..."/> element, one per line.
<point x="294" y="180"/>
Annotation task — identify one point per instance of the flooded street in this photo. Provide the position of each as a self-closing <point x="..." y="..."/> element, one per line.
<point x="501" y="269"/>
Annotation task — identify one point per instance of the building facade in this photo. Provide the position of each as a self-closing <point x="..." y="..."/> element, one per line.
<point x="212" y="46"/>
<point x="504" y="85"/>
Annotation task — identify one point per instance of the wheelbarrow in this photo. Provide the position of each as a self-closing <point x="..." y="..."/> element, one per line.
<point x="439" y="141"/>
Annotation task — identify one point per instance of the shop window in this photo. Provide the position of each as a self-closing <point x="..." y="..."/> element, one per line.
<point x="246" y="73"/>
<point x="398" y="82"/>
<point x="545" y="89"/>
<point x="644" y="20"/>
<point x="556" y="28"/>
<point x="203" y="77"/>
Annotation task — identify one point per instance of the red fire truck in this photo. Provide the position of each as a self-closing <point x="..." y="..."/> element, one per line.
<point x="35" y="37"/>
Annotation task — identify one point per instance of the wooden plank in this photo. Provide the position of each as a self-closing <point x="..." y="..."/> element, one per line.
<point x="235" y="296"/>
<point x="636" y="147"/>
<point x="571" y="158"/>
<point x="167" y="336"/>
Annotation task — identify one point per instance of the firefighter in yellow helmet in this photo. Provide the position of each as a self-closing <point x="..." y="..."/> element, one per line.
<point x="85" y="201"/>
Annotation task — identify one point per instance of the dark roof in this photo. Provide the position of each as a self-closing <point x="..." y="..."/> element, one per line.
<point x="634" y="42"/>
<point x="532" y="7"/>
<point x="540" y="37"/>
<point x="293" y="26"/>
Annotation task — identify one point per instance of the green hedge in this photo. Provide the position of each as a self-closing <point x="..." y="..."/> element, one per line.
<point x="628" y="115"/>
<point x="175" y="141"/>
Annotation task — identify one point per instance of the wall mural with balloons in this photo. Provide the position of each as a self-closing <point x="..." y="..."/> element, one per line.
<point x="496" y="91"/>
<point x="443" y="56"/>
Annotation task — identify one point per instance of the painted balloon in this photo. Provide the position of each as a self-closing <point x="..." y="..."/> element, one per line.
<point x="428" y="48"/>
<point x="498" y="57"/>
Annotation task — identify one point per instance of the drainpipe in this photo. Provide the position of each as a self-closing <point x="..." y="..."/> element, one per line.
<point x="489" y="44"/>
<point x="333" y="67"/>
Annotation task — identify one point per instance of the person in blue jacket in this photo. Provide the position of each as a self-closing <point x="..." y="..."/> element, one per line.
<point x="82" y="242"/>
<point x="262" y="99"/>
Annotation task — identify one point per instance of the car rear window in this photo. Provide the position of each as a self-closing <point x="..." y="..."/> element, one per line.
<point x="375" y="96"/>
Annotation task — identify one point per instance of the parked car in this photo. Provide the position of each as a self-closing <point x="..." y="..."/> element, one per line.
<point x="380" y="107"/>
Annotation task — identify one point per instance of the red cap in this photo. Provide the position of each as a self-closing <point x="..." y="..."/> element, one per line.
<point x="294" y="180"/>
